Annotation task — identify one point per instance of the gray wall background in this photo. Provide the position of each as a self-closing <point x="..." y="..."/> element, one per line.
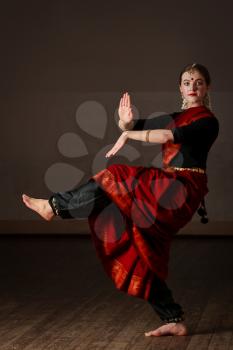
<point x="64" y="66"/>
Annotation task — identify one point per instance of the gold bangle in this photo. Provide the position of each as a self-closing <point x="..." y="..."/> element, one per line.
<point x="147" y="135"/>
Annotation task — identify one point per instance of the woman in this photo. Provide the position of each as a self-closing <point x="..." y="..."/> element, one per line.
<point x="135" y="211"/>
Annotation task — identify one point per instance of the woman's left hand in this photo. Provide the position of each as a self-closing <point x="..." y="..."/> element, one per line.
<point x="118" y="145"/>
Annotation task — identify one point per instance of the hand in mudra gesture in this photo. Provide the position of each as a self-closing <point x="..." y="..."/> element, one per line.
<point x="125" y="109"/>
<point x="126" y="116"/>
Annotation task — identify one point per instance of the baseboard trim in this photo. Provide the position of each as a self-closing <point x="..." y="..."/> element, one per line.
<point x="58" y="226"/>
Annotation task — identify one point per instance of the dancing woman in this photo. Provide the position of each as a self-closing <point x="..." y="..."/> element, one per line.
<point x="135" y="211"/>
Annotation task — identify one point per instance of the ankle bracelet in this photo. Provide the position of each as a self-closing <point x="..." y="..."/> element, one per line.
<point x="53" y="205"/>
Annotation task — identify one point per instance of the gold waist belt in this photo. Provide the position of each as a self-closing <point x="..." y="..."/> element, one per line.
<point x="173" y="168"/>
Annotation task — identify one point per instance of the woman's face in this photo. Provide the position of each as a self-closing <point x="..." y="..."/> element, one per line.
<point x="193" y="88"/>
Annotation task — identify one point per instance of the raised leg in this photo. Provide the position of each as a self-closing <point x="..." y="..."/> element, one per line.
<point x="77" y="203"/>
<point x="80" y="202"/>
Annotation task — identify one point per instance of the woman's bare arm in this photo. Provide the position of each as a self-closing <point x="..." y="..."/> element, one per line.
<point x="151" y="136"/>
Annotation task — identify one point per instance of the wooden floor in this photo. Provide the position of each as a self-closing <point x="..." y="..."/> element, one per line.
<point x="54" y="294"/>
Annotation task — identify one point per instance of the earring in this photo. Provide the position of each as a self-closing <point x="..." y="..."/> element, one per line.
<point x="184" y="103"/>
<point x="207" y="102"/>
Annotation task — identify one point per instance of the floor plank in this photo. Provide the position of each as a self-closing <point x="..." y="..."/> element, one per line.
<point x="54" y="294"/>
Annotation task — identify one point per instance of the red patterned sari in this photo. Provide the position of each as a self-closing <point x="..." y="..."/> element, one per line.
<point x="149" y="205"/>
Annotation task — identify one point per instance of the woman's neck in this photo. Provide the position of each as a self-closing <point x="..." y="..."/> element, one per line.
<point x="195" y="104"/>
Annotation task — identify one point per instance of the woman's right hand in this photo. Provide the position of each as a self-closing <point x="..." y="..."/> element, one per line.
<point x="125" y="110"/>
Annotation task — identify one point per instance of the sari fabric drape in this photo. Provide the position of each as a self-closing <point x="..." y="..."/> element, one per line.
<point x="149" y="205"/>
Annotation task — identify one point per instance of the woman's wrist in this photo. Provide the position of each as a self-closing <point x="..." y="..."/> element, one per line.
<point x="125" y="126"/>
<point x="125" y="134"/>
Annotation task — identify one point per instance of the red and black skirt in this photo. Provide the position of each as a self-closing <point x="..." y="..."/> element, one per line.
<point x="133" y="233"/>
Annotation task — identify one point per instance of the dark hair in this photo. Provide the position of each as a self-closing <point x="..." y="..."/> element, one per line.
<point x="200" y="68"/>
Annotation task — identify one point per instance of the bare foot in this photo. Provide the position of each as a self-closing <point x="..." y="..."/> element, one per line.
<point x="41" y="206"/>
<point x="169" y="329"/>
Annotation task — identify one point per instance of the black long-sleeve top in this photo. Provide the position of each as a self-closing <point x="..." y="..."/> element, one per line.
<point x="195" y="139"/>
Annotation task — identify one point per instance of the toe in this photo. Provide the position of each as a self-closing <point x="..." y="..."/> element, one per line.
<point x="147" y="334"/>
<point x="154" y="333"/>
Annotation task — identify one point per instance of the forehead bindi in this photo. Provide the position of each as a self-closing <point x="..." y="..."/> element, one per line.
<point x="191" y="76"/>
